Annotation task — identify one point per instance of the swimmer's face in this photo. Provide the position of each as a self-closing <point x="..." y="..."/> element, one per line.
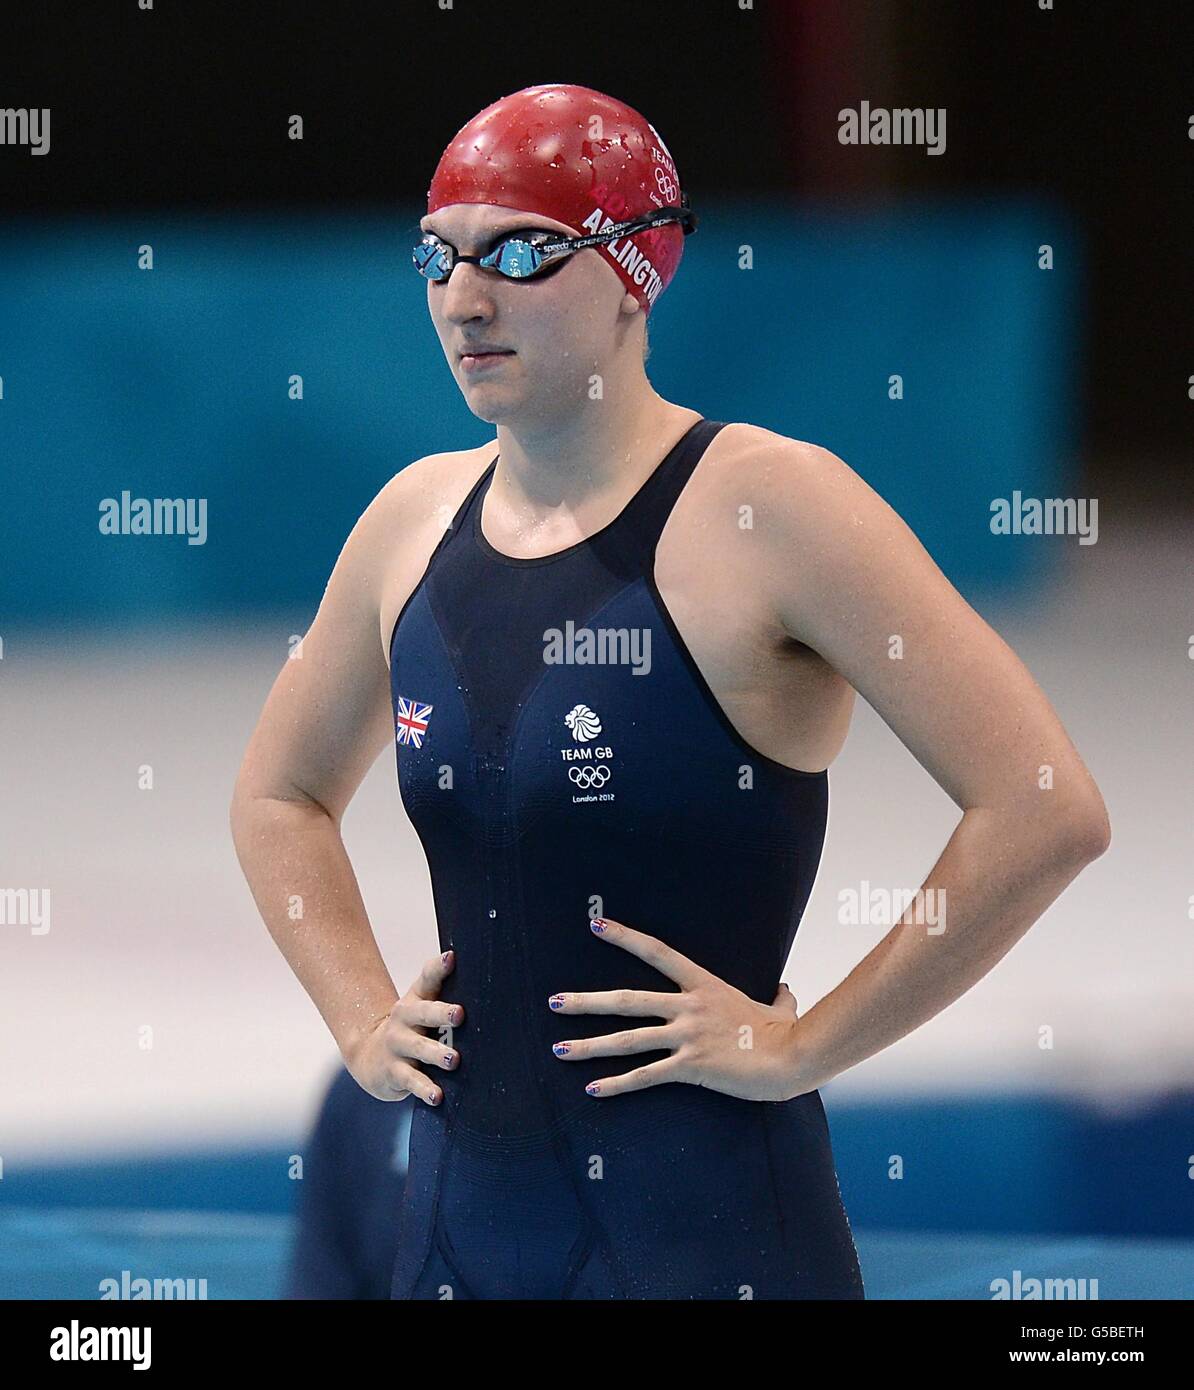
<point x="559" y="328"/>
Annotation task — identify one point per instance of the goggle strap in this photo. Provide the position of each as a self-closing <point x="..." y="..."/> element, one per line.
<point x="683" y="214"/>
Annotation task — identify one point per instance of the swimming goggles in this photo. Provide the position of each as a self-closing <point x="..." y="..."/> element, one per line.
<point x="518" y="258"/>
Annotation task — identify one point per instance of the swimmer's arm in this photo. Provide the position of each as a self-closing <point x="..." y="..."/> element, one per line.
<point x="846" y="576"/>
<point x="326" y="720"/>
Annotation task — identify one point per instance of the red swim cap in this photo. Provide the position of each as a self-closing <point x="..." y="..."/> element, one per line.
<point x="579" y="157"/>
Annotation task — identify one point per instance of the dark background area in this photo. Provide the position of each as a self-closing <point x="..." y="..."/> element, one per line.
<point x="1090" y="103"/>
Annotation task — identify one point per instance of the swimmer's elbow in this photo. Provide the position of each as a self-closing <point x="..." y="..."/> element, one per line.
<point x="1088" y="831"/>
<point x="252" y="806"/>
<point x="1102" y="841"/>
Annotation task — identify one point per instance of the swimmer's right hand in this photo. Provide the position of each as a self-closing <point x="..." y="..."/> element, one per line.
<point x="385" y="1062"/>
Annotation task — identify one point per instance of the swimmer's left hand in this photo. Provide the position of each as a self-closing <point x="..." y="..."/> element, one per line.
<point x="718" y="1036"/>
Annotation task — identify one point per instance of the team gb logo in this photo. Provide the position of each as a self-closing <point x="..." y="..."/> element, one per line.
<point x="583" y="722"/>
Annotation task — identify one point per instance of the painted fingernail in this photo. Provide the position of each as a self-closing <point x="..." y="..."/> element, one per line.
<point x="598" y="925"/>
<point x="433" y="1099"/>
<point x="561" y="1049"/>
<point x="556" y="1001"/>
<point x="593" y="1088"/>
<point x="447" y="1059"/>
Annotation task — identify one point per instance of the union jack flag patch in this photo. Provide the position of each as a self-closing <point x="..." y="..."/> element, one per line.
<point x="412" y="721"/>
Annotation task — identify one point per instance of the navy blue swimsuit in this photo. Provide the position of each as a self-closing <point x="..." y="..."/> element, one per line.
<point x="561" y="758"/>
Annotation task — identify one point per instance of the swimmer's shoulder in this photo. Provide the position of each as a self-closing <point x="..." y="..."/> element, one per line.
<point x="420" y="500"/>
<point x="425" y="485"/>
<point x="791" y="514"/>
<point x="792" y="485"/>
<point x="820" y="542"/>
<point x="762" y="457"/>
<point x="420" y="489"/>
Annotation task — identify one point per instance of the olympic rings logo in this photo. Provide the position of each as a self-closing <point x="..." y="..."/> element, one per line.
<point x="589" y="776"/>
<point x="666" y="184"/>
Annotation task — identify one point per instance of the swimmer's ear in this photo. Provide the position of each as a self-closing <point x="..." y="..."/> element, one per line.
<point x="629" y="305"/>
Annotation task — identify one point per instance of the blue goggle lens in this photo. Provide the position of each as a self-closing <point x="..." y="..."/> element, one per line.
<point x="516" y="259"/>
<point x="433" y="260"/>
